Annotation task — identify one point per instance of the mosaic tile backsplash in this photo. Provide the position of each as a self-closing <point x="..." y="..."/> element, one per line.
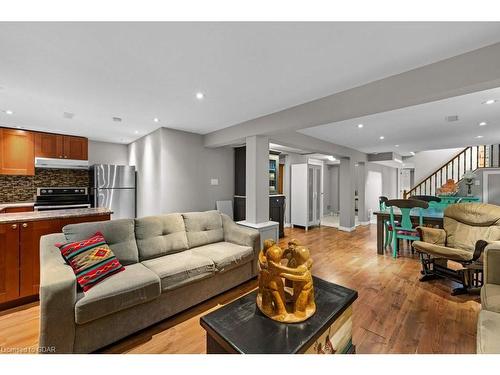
<point x="23" y="188"/>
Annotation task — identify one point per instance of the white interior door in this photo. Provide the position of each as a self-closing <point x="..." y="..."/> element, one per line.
<point x="314" y="194"/>
<point x="491" y="187"/>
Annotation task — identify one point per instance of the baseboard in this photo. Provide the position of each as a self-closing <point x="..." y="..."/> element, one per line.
<point x="287" y="225"/>
<point x="346" y="229"/>
<point x="364" y="223"/>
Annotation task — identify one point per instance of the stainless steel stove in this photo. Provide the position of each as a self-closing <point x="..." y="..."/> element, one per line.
<point x="54" y="198"/>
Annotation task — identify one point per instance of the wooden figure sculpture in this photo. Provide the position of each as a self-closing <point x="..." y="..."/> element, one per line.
<point x="286" y="292"/>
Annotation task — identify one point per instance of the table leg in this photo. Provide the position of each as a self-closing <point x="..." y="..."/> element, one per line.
<point x="380" y="234"/>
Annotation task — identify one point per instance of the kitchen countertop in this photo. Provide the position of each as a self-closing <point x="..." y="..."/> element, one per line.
<point x="53" y="214"/>
<point x="3" y="206"/>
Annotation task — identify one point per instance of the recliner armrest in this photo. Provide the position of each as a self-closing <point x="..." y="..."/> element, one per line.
<point x="492" y="263"/>
<point x="57" y="298"/>
<point x="434" y="236"/>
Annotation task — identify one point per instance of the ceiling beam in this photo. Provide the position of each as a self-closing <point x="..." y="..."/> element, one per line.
<point x="315" y="145"/>
<point x="470" y="72"/>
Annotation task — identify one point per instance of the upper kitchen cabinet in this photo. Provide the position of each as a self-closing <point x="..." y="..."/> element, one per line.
<point x="48" y="145"/>
<point x="17" y="152"/>
<point x="75" y="148"/>
<point x="61" y="146"/>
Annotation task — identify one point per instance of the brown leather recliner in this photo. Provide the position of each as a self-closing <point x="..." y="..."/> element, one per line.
<point x="468" y="228"/>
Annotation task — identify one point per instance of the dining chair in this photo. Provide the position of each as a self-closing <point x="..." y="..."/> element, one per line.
<point x="387" y="224"/>
<point x="405" y="230"/>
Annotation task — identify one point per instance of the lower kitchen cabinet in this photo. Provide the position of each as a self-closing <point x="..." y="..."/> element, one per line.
<point x="276" y="210"/>
<point x="20" y="254"/>
<point x="29" y="259"/>
<point x="9" y="262"/>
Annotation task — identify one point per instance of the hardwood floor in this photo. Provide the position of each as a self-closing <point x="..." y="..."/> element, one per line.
<point x="394" y="313"/>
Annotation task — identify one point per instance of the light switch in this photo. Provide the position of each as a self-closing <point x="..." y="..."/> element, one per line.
<point x="477" y="182"/>
<point x="214" y="181"/>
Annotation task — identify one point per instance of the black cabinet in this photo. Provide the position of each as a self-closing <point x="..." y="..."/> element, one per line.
<point x="277" y="211"/>
<point x="276" y="202"/>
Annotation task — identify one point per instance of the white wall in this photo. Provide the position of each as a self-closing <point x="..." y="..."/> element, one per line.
<point x="427" y="162"/>
<point x="174" y="170"/>
<point x="107" y="153"/>
<point x="380" y="180"/>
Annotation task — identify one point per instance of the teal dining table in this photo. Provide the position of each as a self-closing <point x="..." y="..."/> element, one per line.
<point x="432" y="216"/>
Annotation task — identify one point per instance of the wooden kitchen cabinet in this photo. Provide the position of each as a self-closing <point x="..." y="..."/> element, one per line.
<point x="75" y="148"/>
<point x="61" y="146"/>
<point x="29" y="254"/>
<point x="48" y="145"/>
<point x="9" y="262"/>
<point x="17" y="152"/>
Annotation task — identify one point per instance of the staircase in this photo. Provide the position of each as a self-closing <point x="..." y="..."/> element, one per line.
<point x="470" y="158"/>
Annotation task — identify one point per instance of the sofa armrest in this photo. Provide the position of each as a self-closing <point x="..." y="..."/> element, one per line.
<point x="240" y="235"/>
<point x="492" y="263"/>
<point x="57" y="298"/>
<point x="434" y="236"/>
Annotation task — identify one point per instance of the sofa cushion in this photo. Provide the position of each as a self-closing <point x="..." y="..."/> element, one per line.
<point x="488" y="333"/>
<point x="160" y="235"/>
<point x="92" y="260"/>
<point x="225" y="255"/>
<point x="119" y="235"/>
<point x="136" y="285"/>
<point x="490" y="297"/>
<point x="203" y="228"/>
<point x="179" y="269"/>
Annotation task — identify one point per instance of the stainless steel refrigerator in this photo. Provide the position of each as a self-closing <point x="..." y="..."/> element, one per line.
<point x="113" y="186"/>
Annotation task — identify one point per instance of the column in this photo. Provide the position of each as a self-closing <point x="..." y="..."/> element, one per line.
<point x="257" y="179"/>
<point x="363" y="214"/>
<point x="347" y="177"/>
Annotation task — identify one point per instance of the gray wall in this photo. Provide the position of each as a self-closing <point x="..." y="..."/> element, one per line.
<point x="107" y="153"/>
<point x="331" y="189"/>
<point x="174" y="170"/>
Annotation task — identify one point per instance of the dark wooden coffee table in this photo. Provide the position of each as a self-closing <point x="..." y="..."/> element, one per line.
<point x="240" y="327"/>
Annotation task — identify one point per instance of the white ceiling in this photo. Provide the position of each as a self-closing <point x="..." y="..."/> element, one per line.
<point x="139" y="71"/>
<point x="421" y="127"/>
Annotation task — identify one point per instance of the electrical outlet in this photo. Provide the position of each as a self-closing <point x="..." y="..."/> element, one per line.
<point x="477" y="182"/>
<point x="214" y="181"/>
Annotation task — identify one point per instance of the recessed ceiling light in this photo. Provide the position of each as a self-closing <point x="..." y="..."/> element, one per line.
<point x="9" y="112"/>
<point x="360" y="126"/>
<point x="412" y="153"/>
<point x="381" y="137"/>
<point x="479" y="136"/>
<point x="396" y="145"/>
<point x="489" y="101"/>
<point x="200" y="95"/>
<point x="136" y="132"/>
<point x="156" y="119"/>
<point x="482" y="123"/>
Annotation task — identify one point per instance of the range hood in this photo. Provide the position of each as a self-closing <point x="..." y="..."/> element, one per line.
<point x="61" y="163"/>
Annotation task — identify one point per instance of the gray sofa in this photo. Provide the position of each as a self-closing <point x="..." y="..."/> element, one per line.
<point x="488" y="325"/>
<point x="172" y="262"/>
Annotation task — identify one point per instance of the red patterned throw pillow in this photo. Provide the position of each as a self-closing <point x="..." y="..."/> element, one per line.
<point x="92" y="260"/>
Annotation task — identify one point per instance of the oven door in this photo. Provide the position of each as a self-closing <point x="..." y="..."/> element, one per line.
<point x="61" y="207"/>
